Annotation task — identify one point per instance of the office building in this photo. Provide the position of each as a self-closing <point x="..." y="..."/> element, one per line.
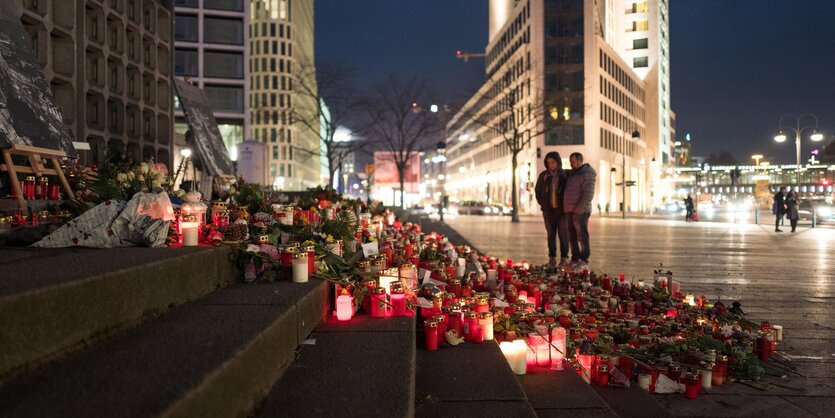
<point x="602" y="67"/>
<point x="211" y="38"/>
<point x="109" y="65"/>
<point x="281" y="50"/>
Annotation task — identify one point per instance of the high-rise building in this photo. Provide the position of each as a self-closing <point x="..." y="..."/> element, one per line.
<point x="602" y="67"/>
<point x="281" y="51"/>
<point x="108" y="64"/>
<point x="211" y="39"/>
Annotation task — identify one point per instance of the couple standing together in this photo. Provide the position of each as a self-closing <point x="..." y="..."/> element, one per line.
<point x="565" y="198"/>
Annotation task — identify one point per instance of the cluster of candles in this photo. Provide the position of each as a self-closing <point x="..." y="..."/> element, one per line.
<point x="567" y="310"/>
<point x="38" y="188"/>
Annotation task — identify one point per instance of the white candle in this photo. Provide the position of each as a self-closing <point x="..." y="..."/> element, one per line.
<point x="613" y="303"/>
<point x="707" y="377"/>
<point x="189" y="234"/>
<point x="485" y="323"/>
<point x="521" y="363"/>
<point x="300" y="273"/>
<point x="644" y="381"/>
<point x="778" y="332"/>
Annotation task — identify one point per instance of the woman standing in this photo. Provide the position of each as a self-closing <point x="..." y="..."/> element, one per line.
<point x="791" y="203"/>
<point x="549" y="189"/>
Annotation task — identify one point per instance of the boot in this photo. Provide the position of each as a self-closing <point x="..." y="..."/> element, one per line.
<point x="552" y="262"/>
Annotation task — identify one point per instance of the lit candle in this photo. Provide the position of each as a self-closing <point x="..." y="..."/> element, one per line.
<point x="485" y="323"/>
<point x="189" y="224"/>
<point x="690" y="300"/>
<point x="398" y="300"/>
<point x="557" y="345"/>
<point x="778" y="332"/>
<point x="387" y="277"/>
<point x="300" y="269"/>
<point x="344" y="306"/>
<point x="441" y="320"/>
<point x="521" y="357"/>
<point x="523" y="295"/>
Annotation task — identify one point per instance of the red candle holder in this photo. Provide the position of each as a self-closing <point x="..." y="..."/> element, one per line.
<point x="430" y="333"/>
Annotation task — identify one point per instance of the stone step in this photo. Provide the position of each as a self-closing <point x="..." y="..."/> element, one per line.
<point x="364" y="367"/>
<point x="214" y="357"/>
<point x="563" y="393"/>
<point x="56" y="300"/>
<point x="468" y="380"/>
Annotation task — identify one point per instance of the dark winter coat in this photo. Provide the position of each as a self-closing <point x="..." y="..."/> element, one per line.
<point x="779" y="204"/>
<point x="579" y="190"/>
<point x="544" y="184"/>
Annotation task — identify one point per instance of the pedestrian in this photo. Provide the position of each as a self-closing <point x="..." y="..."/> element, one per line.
<point x="549" y="189"/>
<point x="779" y="208"/>
<point x="791" y="209"/>
<point x="688" y="207"/>
<point x="579" y="192"/>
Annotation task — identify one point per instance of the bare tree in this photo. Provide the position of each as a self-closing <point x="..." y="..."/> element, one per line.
<point x="331" y="102"/>
<point x="395" y="119"/>
<point x="513" y="111"/>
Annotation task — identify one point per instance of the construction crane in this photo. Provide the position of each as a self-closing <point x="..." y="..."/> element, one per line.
<point x="467" y="55"/>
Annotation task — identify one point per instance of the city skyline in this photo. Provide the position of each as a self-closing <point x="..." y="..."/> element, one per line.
<point x="720" y="95"/>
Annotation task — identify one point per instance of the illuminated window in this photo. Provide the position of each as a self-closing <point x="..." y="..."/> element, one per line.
<point x="640" y="25"/>
<point x="640" y="7"/>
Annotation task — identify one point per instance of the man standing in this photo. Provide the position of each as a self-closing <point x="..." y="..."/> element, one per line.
<point x="579" y="192"/>
<point x="549" y="189"/>
<point x="779" y="207"/>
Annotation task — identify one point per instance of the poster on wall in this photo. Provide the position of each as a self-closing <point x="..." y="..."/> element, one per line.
<point x="204" y="131"/>
<point x="28" y="112"/>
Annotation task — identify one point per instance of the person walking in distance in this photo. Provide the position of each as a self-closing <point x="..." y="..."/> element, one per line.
<point x="579" y="192"/>
<point x="791" y="209"/>
<point x="688" y="207"/>
<point x="779" y="208"/>
<point x="549" y="189"/>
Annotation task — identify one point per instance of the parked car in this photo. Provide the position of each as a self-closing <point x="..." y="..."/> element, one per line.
<point x="470" y="207"/>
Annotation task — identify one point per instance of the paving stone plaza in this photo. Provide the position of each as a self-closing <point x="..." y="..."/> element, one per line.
<point x="780" y="277"/>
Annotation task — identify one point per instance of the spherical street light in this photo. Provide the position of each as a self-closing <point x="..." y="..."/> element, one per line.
<point x="798" y="129"/>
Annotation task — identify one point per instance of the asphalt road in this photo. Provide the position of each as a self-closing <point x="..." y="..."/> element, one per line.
<point x="784" y="278"/>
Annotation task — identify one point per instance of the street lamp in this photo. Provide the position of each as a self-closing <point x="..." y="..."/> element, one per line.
<point x="757" y="158"/>
<point x="798" y="130"/>
<point x="635" y="136"/>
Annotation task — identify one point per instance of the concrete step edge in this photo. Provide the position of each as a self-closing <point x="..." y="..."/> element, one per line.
<point x="376" y="355"/>
<point x="44" y="323"/>
<point x="223" y="367"/>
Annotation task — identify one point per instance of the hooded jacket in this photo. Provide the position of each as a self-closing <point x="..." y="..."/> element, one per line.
<point x="544" y="184"/>
<point x="579" y="190"/>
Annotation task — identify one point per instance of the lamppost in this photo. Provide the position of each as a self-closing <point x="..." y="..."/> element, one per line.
<point x="757" y="158"/>
<point x="798" y="130"/>
<point x="635" y="136"/>
<point x="440" y="148"/>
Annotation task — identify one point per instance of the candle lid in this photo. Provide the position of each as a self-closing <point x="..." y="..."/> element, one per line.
<point x="310" y="248"/>
<point x="298" y="256"/>
<point x="470" y="315"/>
<point x="430" y="323"/>
<point x="264" y="239"/>
<point x="43" y="179"/>
<point x="440" y="318"/>
<point x="189" y="217"/>
<point x="486" y="315"/>
<point x="379" y="291"/>
<point x="30" y="178"/>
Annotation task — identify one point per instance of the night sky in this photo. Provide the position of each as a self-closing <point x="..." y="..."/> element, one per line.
<point x="737" y="66"/>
